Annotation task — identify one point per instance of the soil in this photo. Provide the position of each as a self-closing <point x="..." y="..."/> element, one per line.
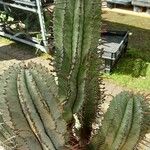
<point x="10" y="54"/>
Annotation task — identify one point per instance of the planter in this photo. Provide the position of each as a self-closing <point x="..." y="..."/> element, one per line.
<point x="111" y="3"/>
<point x="114" y="45"/>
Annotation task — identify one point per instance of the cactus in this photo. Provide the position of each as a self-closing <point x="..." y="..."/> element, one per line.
<point x="40" y="113"/>
<point x="93" y="99"/>
<point x="7" y="137"/>
<point x="75" y="40"/>
<point x="77" y="66"/>
<point x="33" y="108"/>
<point x="123" y="123"/>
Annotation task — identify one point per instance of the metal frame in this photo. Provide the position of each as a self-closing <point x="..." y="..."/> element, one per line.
<point x="34" y="7"/>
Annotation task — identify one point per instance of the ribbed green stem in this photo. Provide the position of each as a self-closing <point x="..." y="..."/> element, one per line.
<point x="78" y="26"/>
<point x="122" y="124"/>
<point x="34" y="111"/>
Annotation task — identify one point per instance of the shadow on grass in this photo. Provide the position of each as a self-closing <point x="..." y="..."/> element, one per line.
<point x="16" y="51"/>
<point x="135" y="61"/>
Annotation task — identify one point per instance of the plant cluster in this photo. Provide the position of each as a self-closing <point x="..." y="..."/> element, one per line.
<point x="45" y="112"/>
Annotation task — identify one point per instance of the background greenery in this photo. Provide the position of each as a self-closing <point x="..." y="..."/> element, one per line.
<point x="132" y="70"/>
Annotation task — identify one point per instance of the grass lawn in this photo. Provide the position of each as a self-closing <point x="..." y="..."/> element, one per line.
<point x="14" y="45"/>
<point x="133" y="70"/>
<point x="5" y="41"/>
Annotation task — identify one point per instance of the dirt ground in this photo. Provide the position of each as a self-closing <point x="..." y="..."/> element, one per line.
<point x="10" y="54"/>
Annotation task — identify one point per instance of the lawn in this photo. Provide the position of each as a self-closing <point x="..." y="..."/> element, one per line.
<point x="133" y="70"/>
<point x="4" y="41"/>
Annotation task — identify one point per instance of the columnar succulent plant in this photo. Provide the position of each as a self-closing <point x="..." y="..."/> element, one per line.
<point x="42" y="114"/>
<point x="76" y="39"/>
<point x="7" y="137"/>
<point x="124" y="123"/>
<point x="30" y="105"/>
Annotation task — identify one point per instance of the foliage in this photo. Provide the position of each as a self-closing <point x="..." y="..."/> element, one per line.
<point x="138" y="48"/>
<point x="15" y="20"/>
<point x="132" y="71"/>
<point x="4" y="17"/>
